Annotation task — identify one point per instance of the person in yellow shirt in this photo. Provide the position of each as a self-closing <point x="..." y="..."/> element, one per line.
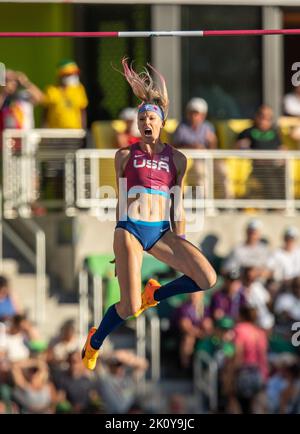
<point x="65" y="103"/>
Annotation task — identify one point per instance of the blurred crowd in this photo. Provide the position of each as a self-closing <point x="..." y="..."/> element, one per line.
<point x="248" y="327"/>
<point x="65" y="105"/>
<point x="39" y="377"/>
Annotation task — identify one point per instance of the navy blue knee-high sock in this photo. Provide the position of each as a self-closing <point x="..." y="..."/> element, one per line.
<point x="182" y="285"/>
<point x="110" y="321"/>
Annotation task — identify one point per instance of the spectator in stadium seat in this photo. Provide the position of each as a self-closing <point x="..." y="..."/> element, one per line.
<point x="258" y="296"/>
<point x="188" y="325"/>
<point x="284" y="263"/>
<point x="118" y="378"/>
<point x="131" y="134"/>
<point x="198" y="133"/>
<point x="76" y="382"/>
<point x="20" y="333"/>
<point x="291" y="102"/>
<point x="228" y="300"/>
<point x="287" y="304"/>
<point x="252" y="252"/>
<point x="250" y="360"/>
<point x="263" y="135"/>
<point x="17" y="99"/>
<point x="9" y="303"/>
<point x="66" y="102"/>
<point x="62" y="345"/>
<point x="33" y="391"/>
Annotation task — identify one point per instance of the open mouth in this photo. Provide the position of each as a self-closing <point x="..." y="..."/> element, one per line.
<point x="148" y="132"/>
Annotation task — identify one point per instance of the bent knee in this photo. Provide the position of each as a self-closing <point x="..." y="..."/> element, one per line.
<point x="211" y="279"/>
<point x="206" y="280"/>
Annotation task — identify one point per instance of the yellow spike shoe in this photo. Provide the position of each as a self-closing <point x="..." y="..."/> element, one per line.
<point x="148" y="296"/>
<point x="88" y="354"/>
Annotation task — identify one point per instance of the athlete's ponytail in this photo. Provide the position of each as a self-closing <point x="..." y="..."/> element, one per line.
<point x="144" y="87"/>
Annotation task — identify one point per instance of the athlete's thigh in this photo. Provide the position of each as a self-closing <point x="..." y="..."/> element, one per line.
<point x="129" y="255"/>
<point x="182" y="256"/>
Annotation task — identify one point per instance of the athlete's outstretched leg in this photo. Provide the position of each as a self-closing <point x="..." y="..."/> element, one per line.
<point x="187" y="259"/>
<point x="128" y="254"/>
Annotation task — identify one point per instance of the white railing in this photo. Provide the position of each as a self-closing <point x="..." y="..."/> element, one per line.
<point x="36" y="257"/>
<point x="155" y="348"/>
<point x="230" y="179"/>
<point x="218" y="172"/>
<point x="83" y="304"/>
<point x="24" y="153"/>
<point x="205" y="382"/>
<point x="141" y="348"/>
<point x="40" y="267"/>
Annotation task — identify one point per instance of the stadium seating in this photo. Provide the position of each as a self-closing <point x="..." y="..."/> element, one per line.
<point x="238" y="170"/>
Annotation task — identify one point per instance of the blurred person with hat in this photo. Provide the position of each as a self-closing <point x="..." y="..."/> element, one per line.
<point x="198" y="133"/>
<point x="284" y="263"/>
<point x="131" y="133"/>
<point x="66" y="102"/>
<point x="252" y="252"/>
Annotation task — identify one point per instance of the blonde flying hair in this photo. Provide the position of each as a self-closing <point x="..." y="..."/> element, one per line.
<point x="144" y="87"/>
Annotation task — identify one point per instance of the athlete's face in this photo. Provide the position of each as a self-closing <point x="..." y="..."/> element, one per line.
<point x="150" y="125"/>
